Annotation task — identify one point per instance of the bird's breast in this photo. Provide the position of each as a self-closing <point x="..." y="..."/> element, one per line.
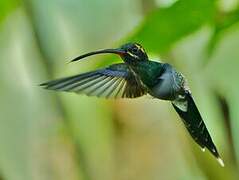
<point x="169" y="85"/>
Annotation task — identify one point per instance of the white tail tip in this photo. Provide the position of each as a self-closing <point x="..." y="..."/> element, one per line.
<point x="220" y="161"/>
<point x="203" y="149"/>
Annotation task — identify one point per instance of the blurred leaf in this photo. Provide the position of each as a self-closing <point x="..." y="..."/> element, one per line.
<point x="226" y="20"/>
<point x="166" y="26"/>
<point x="222" y="23"/>
<point x="6" y="7"/>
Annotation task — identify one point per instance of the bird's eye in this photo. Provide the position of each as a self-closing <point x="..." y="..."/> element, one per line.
<point x="134" y="49"/>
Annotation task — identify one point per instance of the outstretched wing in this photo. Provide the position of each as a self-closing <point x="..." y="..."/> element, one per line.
<point x="115" y="81"/>
<point x="187" y="110"/>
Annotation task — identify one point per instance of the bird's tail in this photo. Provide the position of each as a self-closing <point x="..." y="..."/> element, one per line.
<point x="196" y="127"/>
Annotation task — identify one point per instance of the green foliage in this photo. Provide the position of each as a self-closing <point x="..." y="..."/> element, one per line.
<point x="164" y="27"/>
<point x="7" y="6"/>
<point x="223" y="21"/>
<point x="44" y="136"/>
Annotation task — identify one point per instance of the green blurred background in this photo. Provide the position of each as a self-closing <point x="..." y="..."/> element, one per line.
<point x="46" y="135"/>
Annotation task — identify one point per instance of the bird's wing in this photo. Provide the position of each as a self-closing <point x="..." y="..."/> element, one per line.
<point x="187" y="110"/>
<point x="115" y="81"/>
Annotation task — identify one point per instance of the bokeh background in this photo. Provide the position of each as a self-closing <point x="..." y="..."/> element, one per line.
<point x="46" y="135"/>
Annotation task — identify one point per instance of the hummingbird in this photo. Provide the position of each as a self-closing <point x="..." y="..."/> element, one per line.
<point x="136" y="77"/>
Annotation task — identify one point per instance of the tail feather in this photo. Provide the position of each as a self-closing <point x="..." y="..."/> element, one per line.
<point x="196" y="127"/>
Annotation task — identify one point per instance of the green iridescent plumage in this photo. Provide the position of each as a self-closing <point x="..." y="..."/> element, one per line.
<point x="136" y="77"/>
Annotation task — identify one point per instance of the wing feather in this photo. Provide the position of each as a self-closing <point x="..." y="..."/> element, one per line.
<point x="115" y="81"/>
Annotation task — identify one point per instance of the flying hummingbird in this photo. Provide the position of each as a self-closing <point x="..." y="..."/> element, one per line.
<point x="136" y="77"/>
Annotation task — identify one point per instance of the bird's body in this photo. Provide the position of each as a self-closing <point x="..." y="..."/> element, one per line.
<point x="136" y="77"/>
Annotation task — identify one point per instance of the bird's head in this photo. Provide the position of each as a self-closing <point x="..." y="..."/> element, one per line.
<point x="130" y="53"/>
<point x="133" y="52"/>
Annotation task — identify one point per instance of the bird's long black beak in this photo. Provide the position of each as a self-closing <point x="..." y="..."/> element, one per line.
<point x="119" y="52"/>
